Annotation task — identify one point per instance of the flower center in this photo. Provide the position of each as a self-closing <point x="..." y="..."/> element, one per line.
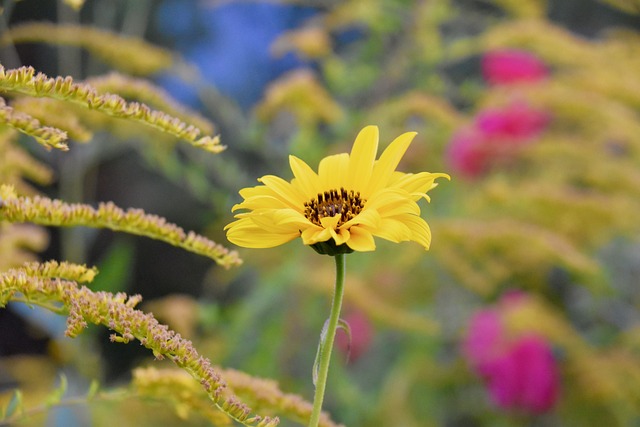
<point x="341" y="202"/>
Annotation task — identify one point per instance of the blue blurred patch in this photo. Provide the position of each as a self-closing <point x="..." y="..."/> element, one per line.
<point x="230" y="44"/>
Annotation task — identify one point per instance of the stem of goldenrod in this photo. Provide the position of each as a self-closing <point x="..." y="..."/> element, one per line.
<point x="326" y="341"/>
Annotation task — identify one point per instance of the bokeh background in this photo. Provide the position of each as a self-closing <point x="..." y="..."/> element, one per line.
<point x="526" y="310"/>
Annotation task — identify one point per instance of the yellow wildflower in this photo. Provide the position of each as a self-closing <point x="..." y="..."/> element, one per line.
<point x="351" y="199"/>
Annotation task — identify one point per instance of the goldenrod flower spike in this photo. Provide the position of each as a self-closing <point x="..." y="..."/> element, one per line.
<point x="48" y="111"/>
<point x="301" y="94"/>
<point x="149" y="94"/>
<point x="53" y="285"/>
<point x="264" y="394"/>
<point x="24" y="80"/>
<point x="47" y="136"/>
<point x="44" y="211"/>
<point x="18" y="167"/>
<point x="340" y="209"/>
<point x="129" y="54"/>
<point x="63" y="270"/>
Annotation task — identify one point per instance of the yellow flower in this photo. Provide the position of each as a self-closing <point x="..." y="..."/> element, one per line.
<point x="351" y="199"/>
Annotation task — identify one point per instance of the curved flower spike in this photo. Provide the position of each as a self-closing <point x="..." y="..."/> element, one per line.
<point x="352" y="198"/>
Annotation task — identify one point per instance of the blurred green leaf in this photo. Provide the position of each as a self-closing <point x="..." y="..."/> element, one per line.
<point x="94" y="387"/>
<point x="115" y="267"/>
<point x="14" y="405"/>
<point x="56" y="395"/>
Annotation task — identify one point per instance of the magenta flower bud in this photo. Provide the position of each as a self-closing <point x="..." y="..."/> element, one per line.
<point x="508" y="66"/>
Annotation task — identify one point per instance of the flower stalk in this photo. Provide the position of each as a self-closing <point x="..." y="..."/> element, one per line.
<point x="326" y="341"/>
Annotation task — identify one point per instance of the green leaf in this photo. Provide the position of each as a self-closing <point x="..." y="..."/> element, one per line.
<point x="115" y="267"/>
<point x="94" y="387"/>
<point x="15" y="404"/>
<point x="56" y="395"/>
<point x="342" y="324"/>
<point x="316" y="362"/>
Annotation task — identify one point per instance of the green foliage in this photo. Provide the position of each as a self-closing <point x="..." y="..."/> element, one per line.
<point x="56" y="395"/>
<point x="14" y="406"/>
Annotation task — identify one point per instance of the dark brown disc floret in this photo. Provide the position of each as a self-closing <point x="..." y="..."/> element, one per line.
<point x="341" y="202"/>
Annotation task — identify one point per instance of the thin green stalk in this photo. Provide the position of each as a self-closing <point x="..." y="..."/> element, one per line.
<point x="326" y="341"/>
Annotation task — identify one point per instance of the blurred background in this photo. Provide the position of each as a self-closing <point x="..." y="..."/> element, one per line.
<point x="526" y="310"/>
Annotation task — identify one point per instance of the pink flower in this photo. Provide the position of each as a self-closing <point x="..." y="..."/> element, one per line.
<point x="469" y="153"/>
<point x="496" y="136"/>
<point x="520" y="372"/>
<point x="361" y="335"/>
<point x="518" y="121"/>
<point x="512" y="66"/>
<point x="525" y="377"/>
<point x="485" y="341"/>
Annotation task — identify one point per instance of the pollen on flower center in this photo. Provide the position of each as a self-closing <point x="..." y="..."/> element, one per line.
<point x="341" y="202"/>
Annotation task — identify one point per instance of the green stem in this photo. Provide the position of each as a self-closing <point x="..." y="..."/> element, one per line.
<point x="326" y="342"/>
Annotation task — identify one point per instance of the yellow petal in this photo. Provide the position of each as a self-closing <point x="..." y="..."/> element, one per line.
<point x="368" y="217"/>
<point x="314" y="235"/>
<point x="392" y="230"/>
<point x="330" y="222"/>
<point x="261" y="202"/>
<point x="291" y="217"/>
<point x="393" y="201"/>
<point x="244" y="232"/>
<point x="420" y="231"/>
<point x="363" y="155"/>
<point x="332" y="171"/>
<point x="339" y="237"/>
<point x="361" y="240"/>
<point x="305" y="177"/>
<point x="276" y="221"/>
<point x="260" y="239"/>
<point x="285" y="191"/>
<point x="418" y="184"/>
<point x="344" y="235"/>
<point x="260" y="191"/>
<point x="388" y="162"/>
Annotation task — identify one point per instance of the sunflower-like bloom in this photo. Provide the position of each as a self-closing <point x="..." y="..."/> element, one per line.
<point x="351" y="199"/>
